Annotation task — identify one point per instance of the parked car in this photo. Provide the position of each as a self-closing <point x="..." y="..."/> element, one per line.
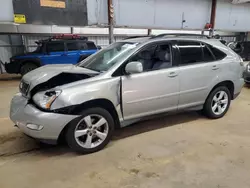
<point x="247" y="74"/>
<point x="123" y="83"/>
<point x="60" y="49"/>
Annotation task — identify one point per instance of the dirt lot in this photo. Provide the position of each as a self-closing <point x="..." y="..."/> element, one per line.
<point x="184" y="150"/>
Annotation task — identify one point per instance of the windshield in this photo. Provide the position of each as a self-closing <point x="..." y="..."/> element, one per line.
<point x="106" y="58"/>
<point x="38" y="49"/>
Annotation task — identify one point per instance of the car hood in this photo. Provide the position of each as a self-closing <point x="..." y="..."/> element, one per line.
<point x="46" y="73"/>
<point x="24" y="54"/>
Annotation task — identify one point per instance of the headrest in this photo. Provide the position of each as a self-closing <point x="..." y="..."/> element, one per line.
<point x="164" y="56"/>
<point x="146" y="55"/>
<point x="167" y="56"/>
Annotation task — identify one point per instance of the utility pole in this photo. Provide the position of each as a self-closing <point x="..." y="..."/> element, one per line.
<point x="111" y="21"/>
<point x="212" y="17"/>
<point x="149" y="32"/>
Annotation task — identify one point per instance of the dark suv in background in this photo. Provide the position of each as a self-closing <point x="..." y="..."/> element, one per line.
<point x="60" y="49"/>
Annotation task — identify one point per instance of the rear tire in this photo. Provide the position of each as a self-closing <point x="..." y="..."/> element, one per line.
<point x="217" y="103"/>
<point x="27" y="67"/>
<point x="91" y="132"/>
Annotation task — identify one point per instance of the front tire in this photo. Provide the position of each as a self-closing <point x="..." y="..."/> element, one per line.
<point x="27" y="67"/>
<point x="217" y="103"/>
<point x="91" y="132"/>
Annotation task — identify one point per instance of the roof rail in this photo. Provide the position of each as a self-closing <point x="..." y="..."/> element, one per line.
<point x="138" y="36"/>
<point x="179" y="35"/>
<point x="64" y="37"/>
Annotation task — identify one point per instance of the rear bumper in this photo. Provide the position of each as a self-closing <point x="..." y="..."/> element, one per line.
<point x="23" y="114"/>
<point x="12" y="67"/>
<point x="238" y="85"/>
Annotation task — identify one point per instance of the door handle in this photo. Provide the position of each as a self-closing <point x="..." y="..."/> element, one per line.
<point x="172" y="74"/>
<point x="64" y="55"/>
<point x="215" y="67"/>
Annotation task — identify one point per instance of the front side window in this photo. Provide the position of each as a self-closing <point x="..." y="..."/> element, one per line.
<point x="91" y="46"/>
<point x="106" y="58"/>
<point x="83" y="46"/>
<point x="154" y="57"/>
<point x="55" y="47"/>
<point x="72" y="46"/>
<point x="190" y="52"/>
<point x="39" y="48"/>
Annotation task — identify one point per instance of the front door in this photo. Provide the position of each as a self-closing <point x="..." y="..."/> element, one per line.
<point x="156" y="89"/>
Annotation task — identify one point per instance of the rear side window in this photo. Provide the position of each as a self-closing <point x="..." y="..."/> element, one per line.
<point x="72" y="46"/>
<point x="91" y="46"/>
<point x="207" y="55"/>
<point x="217" y="53"/>
<point x="55" y="47"/>
<point x="83" y="46"/>
<point x="190" y="52"/>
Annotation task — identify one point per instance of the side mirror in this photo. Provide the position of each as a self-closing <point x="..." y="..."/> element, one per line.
<point x="134" y="67"/>
<point x="99" y="47"/>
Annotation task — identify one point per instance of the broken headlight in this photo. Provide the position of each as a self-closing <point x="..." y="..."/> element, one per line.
<point x="45" y="99"/>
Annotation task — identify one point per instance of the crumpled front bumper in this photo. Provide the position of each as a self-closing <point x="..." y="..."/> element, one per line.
<point x="22" y="113"/>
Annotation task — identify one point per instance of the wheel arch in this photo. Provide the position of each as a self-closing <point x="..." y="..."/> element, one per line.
<point x="102" y="103"/>
<point x="34" y="61"/>
<point x="228" y="83"/>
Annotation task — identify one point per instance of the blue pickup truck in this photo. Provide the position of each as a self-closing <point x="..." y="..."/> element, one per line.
<point x="60" y="49"/>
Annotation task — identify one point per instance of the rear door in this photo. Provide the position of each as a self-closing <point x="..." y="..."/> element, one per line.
<point x="198" y="69"/>
<point x="55" y="54"/>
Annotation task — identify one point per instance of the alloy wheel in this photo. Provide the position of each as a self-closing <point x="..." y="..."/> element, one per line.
<point x="220" y="102"/>
<point x="91" y="131"/>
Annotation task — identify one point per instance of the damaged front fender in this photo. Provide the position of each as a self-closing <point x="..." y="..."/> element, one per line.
<point x="77" y="85"/>
<point x="75" y="95"/>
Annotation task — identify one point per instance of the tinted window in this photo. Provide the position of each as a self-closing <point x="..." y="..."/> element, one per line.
<point x="208" y="56"/>
<point x="83" y="46"/>
<point x="217" y="53"/>
<point x="72" y="46"/>
<point x="91" y="46"/>
<point x="191" y="52"/>
<point x="55" y="47"/>
<point x="152" y="57"/>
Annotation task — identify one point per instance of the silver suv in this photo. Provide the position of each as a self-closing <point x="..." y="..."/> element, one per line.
<point x="123" y="83"/>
